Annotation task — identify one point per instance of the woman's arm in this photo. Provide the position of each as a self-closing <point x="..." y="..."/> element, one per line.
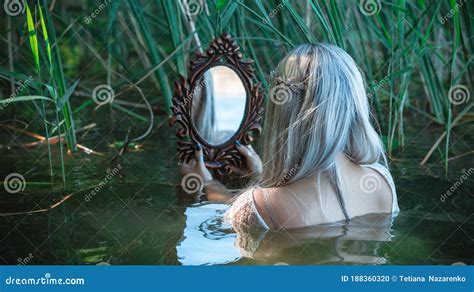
<point x="215" y="190"/>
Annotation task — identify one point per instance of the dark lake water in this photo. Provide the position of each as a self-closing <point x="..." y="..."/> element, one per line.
<point x="141" y="216"/>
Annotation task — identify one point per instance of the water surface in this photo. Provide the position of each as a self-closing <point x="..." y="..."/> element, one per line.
<point x="141" y="216"/>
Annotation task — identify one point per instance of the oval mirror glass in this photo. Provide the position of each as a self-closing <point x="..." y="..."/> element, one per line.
<point x="219" y="100"/>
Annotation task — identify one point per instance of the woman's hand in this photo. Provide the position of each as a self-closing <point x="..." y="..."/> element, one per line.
<point x="253" y="163"/>
<point x="215" y="191"/>
<point x="197" y="166"/>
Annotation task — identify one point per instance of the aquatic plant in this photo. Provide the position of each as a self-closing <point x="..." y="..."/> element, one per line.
<point x="416" y="56"/>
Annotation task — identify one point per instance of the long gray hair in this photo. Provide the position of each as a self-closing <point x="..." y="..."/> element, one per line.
<point x="317" y="108"/>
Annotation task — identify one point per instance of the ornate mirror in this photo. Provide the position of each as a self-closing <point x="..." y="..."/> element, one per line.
<point x="216" y="105"/>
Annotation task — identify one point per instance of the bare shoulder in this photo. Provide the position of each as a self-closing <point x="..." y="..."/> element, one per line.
<point x="277" y="206"/>
<point x="367" y="187"/>
<point x="265" y="200"/>
<point x="374" y="185"/>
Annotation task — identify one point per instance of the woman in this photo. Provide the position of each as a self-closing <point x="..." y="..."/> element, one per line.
<point x="323" y="161"/>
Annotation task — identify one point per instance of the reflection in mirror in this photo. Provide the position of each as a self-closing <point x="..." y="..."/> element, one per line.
<point x="219" y="100"/>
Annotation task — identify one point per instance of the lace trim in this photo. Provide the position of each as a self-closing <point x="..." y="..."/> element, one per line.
<point x="244" y="214"/>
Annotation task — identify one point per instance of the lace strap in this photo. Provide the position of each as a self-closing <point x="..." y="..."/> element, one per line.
<point x="269" y="208"/>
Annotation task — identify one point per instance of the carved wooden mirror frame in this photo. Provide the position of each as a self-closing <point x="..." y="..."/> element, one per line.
<point x="223" y="51"/>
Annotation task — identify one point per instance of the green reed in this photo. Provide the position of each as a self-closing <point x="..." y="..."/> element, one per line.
<point x="412" y="52"/>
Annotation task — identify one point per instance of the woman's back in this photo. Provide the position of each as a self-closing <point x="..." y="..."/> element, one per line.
<point x="313" y="201"/>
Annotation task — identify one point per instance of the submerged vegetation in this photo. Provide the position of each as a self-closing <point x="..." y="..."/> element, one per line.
<point x="65" y="61"/>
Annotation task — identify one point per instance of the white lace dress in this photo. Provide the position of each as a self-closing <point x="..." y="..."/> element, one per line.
<point x="244" y="214"/>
